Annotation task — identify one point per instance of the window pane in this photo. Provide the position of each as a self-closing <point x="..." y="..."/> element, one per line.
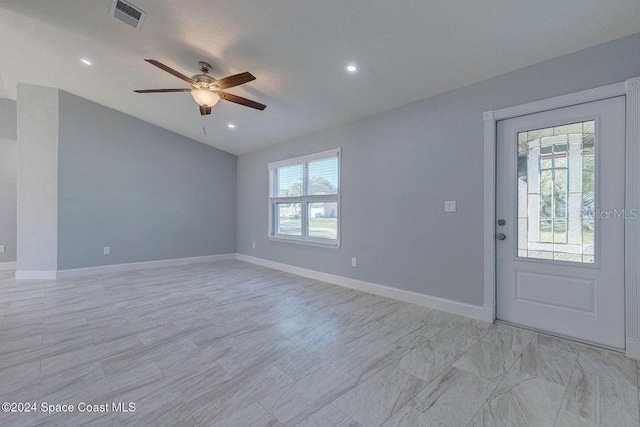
<point x="560" y="193"/>
<point x="546" y="228"/>
<point x="323" y="220"/>
<point x="522" y="233"/>
<point x="546" y="186"/>
<point x="288" y="219"/>
<point x="588" y="228"/>
<point x="559" y="149"/>
<point x="568" y="129"/>
<point x="289" y="181"/>
<point x="588" y="161"/>
<point x="323" y="176"/>
<point x="556" y="197"/>
<point x="588" y="140"/>
<point x="540" y="133"/>
<point x="560" y="231"/>
<point x="588" y="194"/>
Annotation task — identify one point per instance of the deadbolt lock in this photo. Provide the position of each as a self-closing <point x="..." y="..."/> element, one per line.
<point x="501" y="236"/>
<point x="501" y="222"/>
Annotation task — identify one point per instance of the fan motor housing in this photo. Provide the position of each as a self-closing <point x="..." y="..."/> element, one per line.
<point x="205" y="67"/>
<point x="204" y="81"/>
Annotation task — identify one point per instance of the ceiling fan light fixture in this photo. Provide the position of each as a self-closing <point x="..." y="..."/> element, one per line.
<point x="206" y="90"/>
<point x="205" y="97"/>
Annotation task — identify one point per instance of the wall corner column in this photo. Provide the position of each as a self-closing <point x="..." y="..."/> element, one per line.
<point x="37" y="182"/>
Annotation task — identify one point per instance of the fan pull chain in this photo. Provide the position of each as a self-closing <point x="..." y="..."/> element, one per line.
<point x="204" y="125"/>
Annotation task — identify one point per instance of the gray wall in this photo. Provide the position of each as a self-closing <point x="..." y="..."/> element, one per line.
<point x="8" y="159"/>
<point x="8" y="119"/>
<point x="147" y="193"/>
<point x="399" y="167"/>
<point x="37" y="178"/>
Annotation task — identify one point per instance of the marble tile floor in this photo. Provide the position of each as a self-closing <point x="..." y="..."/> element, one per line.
<point x="234" y="344"/>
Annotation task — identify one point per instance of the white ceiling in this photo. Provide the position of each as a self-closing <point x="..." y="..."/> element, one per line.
<point x="298" y="49"/>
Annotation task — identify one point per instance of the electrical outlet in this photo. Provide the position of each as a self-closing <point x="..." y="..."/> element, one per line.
<point x="254" y="245"/>
<point x="450" y="206"/>
<point x="106" y="250"/>
<point x="354" y="262"/>
<point x="2" y="249"/>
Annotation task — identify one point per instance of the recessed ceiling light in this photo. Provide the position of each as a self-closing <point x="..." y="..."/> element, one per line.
<point x="352" y="68"/>
<point x="86" y="61"/>
<point x="231" y="126"/>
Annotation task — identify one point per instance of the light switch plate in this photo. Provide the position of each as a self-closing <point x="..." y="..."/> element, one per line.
<point x="450" y="206"/>
<point x="2" y="249"/>
<point x="106" y="250"/>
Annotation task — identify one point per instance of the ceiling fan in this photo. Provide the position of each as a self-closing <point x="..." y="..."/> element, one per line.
<point x="206" y="90"/>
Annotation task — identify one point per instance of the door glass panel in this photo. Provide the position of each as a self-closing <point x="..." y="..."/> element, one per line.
<point x="556" y="193"/>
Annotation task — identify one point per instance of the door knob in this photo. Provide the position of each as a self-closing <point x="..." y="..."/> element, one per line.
<point x="501" y="236"/>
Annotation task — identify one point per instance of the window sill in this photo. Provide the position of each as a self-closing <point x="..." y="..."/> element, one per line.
<point x="315" y="243"/>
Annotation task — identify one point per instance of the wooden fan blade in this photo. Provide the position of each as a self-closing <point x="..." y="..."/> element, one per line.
<point x="170" y="70"/>
<point x="242" y="101"/>
<point x="235" y="80"/>
<point x="204" y="110"/>
<point x="161" y="90"/>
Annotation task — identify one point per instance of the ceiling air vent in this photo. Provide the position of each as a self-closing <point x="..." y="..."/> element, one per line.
<point x="127" y="13"/>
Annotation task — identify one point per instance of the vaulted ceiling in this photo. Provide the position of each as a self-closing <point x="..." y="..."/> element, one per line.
<point x="405" y="50"/>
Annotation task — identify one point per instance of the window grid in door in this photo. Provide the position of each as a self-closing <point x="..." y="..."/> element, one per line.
<point x="556" y="193"/>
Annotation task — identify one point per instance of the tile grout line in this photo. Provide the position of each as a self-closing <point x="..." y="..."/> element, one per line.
<point x="296" y="381"/>
<point x="501" y="379"/>
<point x="189" y="411"/>
<point x="272" y="392"/>
<point x="338" y="410"/>
<point x="438" y="375"/>
<point x="271" y="413"/>
<point x="349" y="374"/>
<point x="566" y="389"/>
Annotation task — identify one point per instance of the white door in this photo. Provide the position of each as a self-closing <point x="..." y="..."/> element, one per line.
<point x="560" y="221"/>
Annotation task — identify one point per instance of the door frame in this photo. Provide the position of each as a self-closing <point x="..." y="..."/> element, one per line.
<point x="630" y="89"/>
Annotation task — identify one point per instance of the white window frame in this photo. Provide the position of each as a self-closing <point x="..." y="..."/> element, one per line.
<point x="304" y="200"/>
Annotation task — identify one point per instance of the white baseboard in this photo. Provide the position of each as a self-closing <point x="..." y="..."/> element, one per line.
<point x="35" y="275"/>
<point x="116" y="268"/>
<point x="468" y="310"/>
<point x="6" y="266"/>
<point x="633" y="349"/>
